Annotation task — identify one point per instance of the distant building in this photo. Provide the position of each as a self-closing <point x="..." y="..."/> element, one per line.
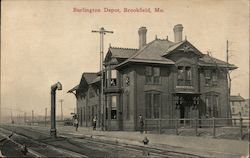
<point x="161" y="79"/>
<point x="239" y="106"/>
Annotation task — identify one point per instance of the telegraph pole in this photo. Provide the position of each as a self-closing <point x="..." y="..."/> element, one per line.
<point x="102" y="32"/>
<point x="61" y="100"/>
<point x="45" y="119"/>
<point x="24" y="117"/>
<point x="229" y="82"/>
<point x="32" y="117"/>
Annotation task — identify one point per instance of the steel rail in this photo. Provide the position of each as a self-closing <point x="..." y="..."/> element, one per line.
<point x="68" y="153"/>
<point x="139" y="148"/>
<point x="32" y="152"/>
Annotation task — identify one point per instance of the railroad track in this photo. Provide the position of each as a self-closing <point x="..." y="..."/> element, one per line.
<point x="36" y="148"/>
<point x="142" y="150"/>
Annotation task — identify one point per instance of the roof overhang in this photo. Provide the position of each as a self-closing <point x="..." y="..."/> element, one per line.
<point x="132" y="61"/>
<point x="186" y="93"/>
<point x="73" y="89"/>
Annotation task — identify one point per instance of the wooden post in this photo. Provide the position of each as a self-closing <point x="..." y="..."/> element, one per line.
<point x="214" y="127"/>
<point x="184" y="122"/>
<point x="176" y="126"/>
<point x="146" y="126"/>
<point x="241" y="128"/>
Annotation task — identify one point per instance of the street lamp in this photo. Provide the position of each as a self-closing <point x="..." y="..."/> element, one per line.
<point x="57" y="86"/>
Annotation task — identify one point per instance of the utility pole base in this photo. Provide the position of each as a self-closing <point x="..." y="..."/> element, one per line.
<point x="53" y="133"/>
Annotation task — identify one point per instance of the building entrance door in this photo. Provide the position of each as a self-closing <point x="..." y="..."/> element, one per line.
<point x="184" y="113"/>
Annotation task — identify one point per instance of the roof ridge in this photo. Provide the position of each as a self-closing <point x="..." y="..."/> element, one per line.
<point x="141" y="50"/>
<point x="162" y="39"/>
<point x="123" y="48"/>
<point x="89" y="73"/>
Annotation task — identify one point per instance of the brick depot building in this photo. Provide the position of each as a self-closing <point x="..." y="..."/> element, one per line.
<point x="160" y="80"/>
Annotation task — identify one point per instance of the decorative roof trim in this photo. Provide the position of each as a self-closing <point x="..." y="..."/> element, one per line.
<point x="174" y="47"/>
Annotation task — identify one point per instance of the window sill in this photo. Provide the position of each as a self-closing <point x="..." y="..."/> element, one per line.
<point x="152" y="83"/>
<point x="186" y="87"/>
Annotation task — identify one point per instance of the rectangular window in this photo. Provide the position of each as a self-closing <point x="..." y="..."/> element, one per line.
<point x="211" y="78"/>
<point x="180" y="76"/>
<point x="148" y="105"/>
<point x="113" y="107"/>
<point x="113" y="80"/>
<point x="215" y="105"/>
<point x="156" y="75"/>
<point x="188" y="76"/>
<point x="91" y="92"/>
<point x="184" y="76"/>
<point x="149" y="74"/>
<point x="207" y="77"/>
<point x="156" y="105"/>
<point x="152" y="74"/>
<point x="212" y="106"/>
<point x="214" y="77"/>
<point x="152" y="105"/>
<point x="127" y="105"/>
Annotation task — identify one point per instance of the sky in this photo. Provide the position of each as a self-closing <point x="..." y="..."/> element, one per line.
<point x="43" y="42"/>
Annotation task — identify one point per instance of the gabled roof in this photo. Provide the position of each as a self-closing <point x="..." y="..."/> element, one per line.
<point x="207" y="60"/>
<point x="181" y="46"/>
<point x="118" y="52"/>
<point x="151" y="53"/>
<point x="89" y="76"/>
<point x="86" y="79"/>
<point x="236" y="98"/>
<point x="97" y="79"/>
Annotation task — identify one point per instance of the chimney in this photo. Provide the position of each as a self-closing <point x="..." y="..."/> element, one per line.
<point x="142" y="37"/>
<point x="178" y="33"/>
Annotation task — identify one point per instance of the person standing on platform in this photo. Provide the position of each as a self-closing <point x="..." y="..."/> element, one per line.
<point x="141" y="123"/>
<point x="76" y="124"/>
<point x="94" y="123"/>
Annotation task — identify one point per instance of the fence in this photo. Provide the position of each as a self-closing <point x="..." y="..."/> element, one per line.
<point x="239" y="126"/>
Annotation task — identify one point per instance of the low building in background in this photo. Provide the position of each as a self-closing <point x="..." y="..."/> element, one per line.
<point x="239" y="106"/>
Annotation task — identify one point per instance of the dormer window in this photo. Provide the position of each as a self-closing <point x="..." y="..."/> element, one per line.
<point x="184" y="76"/>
